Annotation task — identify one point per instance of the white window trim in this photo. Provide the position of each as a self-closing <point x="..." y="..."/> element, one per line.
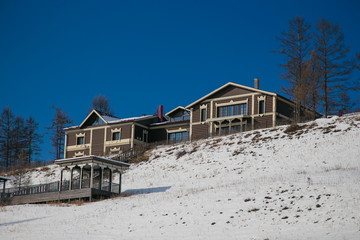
<point x="79" y="135"/>
<point x="79" y="154"/>
<point x="115" y="130"/>
<point x="204" y="106"/>
<point x="231" y="103"/>
<point x="261" y="98"/>
<point x="177" y="130"/>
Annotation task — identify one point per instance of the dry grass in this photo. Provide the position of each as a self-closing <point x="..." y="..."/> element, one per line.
<point x="293" y="128"/>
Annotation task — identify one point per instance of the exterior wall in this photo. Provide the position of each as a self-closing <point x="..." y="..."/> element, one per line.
<point x="263" y="122"/>
<point x="71" y="154"/>
<point x="97" y="146"/>
<point x="230" y="91"/>
<point x="268" y="103"/>
<point x="200" y="131"/>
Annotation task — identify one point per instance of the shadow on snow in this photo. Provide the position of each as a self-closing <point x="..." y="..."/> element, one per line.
<point x="146" y="190"/>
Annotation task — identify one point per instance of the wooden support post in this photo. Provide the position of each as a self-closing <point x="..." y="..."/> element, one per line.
<point x="61" y="177"/>
<point x="101" y="178"/>
<point x="91" y="176"/>
<point x="71" y="177"/>
<point x="120" y="181"/>
<point x="110" y="179"/>
<point x="81" y="176"/>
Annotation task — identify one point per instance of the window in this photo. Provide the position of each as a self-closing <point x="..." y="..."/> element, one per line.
<point x="180" y="116"/>
<point x="178" y="137"/>
<point x="79" y="140"/>
<point x="203" y="114"/>
<point x="115" y="136"/>
<point x="232" y="110"/>
<point x="261" y="107"/>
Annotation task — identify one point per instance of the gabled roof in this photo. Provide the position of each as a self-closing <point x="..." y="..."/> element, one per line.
<point x="103" y="116"/>
<point x="226" y="85"/>
<point x="175" y="109"/>
<point x="109" y="119"/>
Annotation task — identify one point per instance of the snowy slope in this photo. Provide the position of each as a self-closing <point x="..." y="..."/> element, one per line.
<point x="265" y="184"/>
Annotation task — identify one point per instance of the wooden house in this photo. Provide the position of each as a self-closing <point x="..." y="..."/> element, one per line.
<point x="228" y="109"/>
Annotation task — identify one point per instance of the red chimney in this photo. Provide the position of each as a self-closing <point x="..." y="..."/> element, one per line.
<point x="160" y="113"/>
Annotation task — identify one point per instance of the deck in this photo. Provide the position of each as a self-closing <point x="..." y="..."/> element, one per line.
<point x="44" y="193"/>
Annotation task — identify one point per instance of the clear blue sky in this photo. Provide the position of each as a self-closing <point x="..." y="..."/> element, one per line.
<point x="140" y="54"/>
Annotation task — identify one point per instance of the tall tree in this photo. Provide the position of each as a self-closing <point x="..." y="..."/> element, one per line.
<point x="313" y="83"/>
<point x="294" y="46"/>
<point x="7" y="120"/>
<point x="59" y="122"/>
<point x="101" y="103"/>
<point x="17" y="140"/>
<point x="335" y="68"/>
<point x="32" y="139"/>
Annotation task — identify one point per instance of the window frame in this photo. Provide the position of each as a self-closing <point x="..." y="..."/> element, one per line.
<point x="82" y="142"/>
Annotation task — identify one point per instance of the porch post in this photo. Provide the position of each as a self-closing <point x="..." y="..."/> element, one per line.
<point x="120" y="181"/>
<point x="110" y="179"/>
<point x="81" y="176"/>
<point x="71" y="177"/>
<point x="91" y="175"/>
<point x="101" y="178"/>
<point x="61" y="179"/>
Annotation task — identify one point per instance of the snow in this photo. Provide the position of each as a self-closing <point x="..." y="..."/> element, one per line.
<point x="130" y="119"/>
<point x="108" y="118"/>
<point x="263" y="184"/>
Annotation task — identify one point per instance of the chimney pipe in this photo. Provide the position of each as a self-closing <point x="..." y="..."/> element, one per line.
<point x="256" y="83"/>
<point x="160" y="113"/>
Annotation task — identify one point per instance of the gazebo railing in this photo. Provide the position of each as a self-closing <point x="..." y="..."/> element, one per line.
<point x="54" y="187"/>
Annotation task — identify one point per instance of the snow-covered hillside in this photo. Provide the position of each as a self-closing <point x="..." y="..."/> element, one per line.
<point x="299" y="182"/>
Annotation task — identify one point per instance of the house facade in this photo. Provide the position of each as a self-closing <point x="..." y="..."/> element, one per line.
<point x="230" y="108"/>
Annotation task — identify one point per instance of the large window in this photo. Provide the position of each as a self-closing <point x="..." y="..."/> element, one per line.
<point x="232" y="110"/>
<point x="178" y="137"/>
<point x="180" y="116"/>
<point x="79" y="140"/>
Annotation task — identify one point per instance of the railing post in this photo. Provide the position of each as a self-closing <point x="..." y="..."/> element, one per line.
<point x="91" y="175"/>
<point x="120" y="181"/>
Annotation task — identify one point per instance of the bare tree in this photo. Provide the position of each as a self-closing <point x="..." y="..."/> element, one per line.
<point x="6" y="130"/>
<point x="59" y="122"/>
<point x="17" y="140"/>
<point x="294" y="46"/>
<point x="335" y="69"/>
<point x="313" y="83"/>
<point x="101" y="104"/>
<point x="32" y="139"/>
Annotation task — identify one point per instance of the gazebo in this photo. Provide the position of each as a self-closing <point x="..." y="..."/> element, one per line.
<point x="90" y="177"/>
<point x="3" y="180"/>
<point x="91" y="172"/>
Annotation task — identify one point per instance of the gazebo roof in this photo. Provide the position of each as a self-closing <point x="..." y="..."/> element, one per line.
<point x="92" y="159"/>
<point x="4" y="179"/>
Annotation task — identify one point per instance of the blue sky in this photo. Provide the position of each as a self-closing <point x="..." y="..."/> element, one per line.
<point x="140" y="54"/>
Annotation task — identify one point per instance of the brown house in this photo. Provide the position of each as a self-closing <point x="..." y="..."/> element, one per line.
<point x="103" y="135"/>
<point x="230" y="108"/>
